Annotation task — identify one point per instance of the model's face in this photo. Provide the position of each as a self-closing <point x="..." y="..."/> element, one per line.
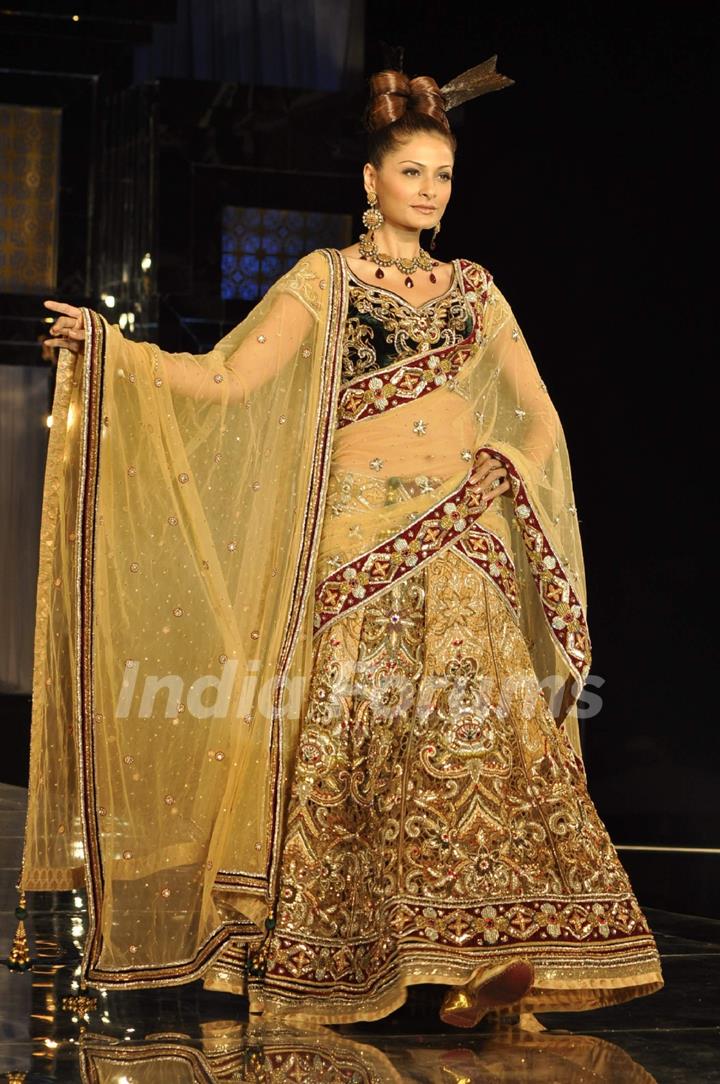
<point x="419" y="172"/>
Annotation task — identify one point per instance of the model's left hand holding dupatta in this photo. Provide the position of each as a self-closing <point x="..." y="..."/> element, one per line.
<point x="187" y="563"/>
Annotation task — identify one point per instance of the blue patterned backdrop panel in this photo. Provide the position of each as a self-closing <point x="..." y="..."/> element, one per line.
<point x="259" y="244"/>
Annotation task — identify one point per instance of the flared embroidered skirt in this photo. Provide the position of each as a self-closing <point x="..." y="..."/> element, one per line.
<point x="439" y="820"/>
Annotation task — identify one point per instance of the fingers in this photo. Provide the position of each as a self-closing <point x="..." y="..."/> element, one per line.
<point x="67" y="344"/>
<point x="69" y="337"/>
<point x="69" y="324"/>
<point x="72" y="332"/>
<point x="502" y="488"/>
<point x="66" y="331"/>
<point x="490" y="476"/>
<point x="487" y="468"/>
<point x="488" y="493"/>
<point x="62" y="306"/>
<point x="60" y="333"/>
<point x="490" y="470"/>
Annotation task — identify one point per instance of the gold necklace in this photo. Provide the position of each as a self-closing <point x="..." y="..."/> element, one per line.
<point x="423" y="260"/>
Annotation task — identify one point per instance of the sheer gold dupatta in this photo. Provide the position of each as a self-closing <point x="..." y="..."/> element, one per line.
<point x="400" y="493"/>
<point x="182" y="509"/>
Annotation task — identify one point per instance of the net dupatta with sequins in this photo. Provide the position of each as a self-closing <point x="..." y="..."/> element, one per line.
<point x="182" y="510"/>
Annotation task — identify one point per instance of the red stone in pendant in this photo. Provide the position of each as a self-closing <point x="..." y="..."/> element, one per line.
<point x="432" y="277"/>
<point x="409" y="282"/>
<point x="379" y="274"/>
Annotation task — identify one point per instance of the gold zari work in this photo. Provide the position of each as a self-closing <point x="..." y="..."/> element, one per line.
<point x="437" y="821"/>
<point x="352" y="779"/>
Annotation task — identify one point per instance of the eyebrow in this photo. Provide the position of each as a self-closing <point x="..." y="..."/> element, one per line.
<point x="422" y="163"/>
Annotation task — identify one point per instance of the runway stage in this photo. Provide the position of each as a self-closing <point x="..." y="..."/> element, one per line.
<point x="185" y="1033"/>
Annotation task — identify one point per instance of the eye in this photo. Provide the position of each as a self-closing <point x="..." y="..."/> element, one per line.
<point x="411" y="169"/>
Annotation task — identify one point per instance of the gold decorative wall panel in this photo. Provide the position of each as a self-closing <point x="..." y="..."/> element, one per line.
<point x="29" y="195"/>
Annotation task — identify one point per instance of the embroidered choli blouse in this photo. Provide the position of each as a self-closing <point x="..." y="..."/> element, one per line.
<point x="383" y="328"/>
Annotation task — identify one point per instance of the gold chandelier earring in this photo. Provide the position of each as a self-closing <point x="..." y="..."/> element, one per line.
<point x="372" y="215"/>
<point x="372" y="219"/>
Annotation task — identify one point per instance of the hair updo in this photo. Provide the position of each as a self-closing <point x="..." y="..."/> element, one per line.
<point x="400" y="107"/>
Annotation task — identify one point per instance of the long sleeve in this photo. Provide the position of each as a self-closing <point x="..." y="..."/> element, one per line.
<point x="223" y="374"/>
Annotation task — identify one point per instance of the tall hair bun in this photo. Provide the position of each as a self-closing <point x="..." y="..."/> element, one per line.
<point x="393" y="94"/>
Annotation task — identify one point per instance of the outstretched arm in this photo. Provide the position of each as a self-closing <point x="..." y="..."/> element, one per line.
<point x="224" y="374"/>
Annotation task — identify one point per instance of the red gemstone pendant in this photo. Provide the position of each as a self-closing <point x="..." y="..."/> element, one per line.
<point x="379" y="274"/>
<point x="432" y="277"/>
<point x="409" y="282"/>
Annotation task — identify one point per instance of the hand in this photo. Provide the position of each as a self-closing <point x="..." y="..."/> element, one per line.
<point x="68" y="327"/>
<point x="484" y="474"/>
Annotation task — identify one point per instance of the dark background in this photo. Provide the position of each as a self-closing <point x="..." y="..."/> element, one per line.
<point x="584" y="188"/>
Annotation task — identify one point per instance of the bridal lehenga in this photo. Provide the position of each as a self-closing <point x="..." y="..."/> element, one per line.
<point x="298" y="502"/>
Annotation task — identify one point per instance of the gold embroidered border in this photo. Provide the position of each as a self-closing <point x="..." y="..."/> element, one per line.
<point x="411" y="378"/>
<point x="89" y="456"/>
<point x="487" y="552"/>
<point x="239" y="880"/>
<point x="605" y="933"/>
<point x="312" y="527"/>
<point x="354" y="582"/>
<point x="565" y="616"/>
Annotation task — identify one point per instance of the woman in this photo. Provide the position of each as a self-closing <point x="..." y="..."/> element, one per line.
<point x="357" y="511"/>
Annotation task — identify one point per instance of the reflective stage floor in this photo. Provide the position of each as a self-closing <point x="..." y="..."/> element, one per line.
<point x="186" y="1034"/>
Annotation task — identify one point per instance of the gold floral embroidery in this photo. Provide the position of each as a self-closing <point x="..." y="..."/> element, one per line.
<point x="400" y="383"/>
<point x="564" y="613"/>
<point x="418" y="366"/>
<point x="439" y="817"/>
<point x="407" y="329"/>
<point x="302" y="281"/>
<point x="357" y="580"/>
<point x="487" y="552"/>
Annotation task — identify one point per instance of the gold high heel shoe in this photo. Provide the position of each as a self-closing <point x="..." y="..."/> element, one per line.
<point x="464" y="1006"/>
